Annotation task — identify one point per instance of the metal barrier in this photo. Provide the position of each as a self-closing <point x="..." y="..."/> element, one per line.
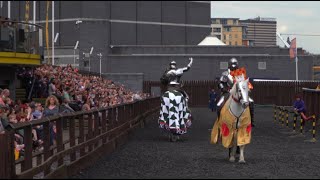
<point x="284" y="112"/>
<point x="106" y="129"/>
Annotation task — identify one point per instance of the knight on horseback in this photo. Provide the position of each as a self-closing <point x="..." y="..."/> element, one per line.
<point x="226" y="83"/>
<point x="174" y="114"/>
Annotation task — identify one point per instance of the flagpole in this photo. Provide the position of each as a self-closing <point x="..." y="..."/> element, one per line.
<point x="296" y="61"/>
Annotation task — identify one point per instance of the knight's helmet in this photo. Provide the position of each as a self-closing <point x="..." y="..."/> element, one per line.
<point x="173" y="65"/>
<point x="233" y="64"/>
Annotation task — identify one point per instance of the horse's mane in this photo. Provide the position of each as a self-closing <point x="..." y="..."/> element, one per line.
<point x="238" y="76"/>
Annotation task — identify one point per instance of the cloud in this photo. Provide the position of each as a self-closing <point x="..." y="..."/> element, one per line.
<point x="304" y="13"/>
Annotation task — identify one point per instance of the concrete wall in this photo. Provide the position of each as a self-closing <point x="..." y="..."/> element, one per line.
<point x="207" y="67"/>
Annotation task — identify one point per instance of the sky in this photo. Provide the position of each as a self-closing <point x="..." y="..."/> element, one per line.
<point x="293" y="17"/>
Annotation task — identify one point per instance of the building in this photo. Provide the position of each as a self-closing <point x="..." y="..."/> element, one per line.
<point x="262" y="31"/>
<point x="230" y="29"/>
<point x="104" y="24"/>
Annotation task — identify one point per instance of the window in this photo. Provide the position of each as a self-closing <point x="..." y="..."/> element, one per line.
<point x="216" y="29"/>
<point x="230" y="36"/>
<point x="236" y="43"/>
<point x="224" y="21"/>
<point x="235" y="22"/>
<point x="223" y="65"/>
<point x="227" y="29"/>
<point x="230" y="43"/>
<point x="236" y="36"/>
<point x="224" y="37"/>
<point x="219" y="37"/>
<point x="262" y="65"/>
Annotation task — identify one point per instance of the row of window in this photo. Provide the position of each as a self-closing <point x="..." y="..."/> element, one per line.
<point x="224" y="21"/>
<point x="261" y="65"/>
<point x="230" y="36"/>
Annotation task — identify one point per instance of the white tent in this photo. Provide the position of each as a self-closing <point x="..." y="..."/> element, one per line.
<point x="211" y="40"/>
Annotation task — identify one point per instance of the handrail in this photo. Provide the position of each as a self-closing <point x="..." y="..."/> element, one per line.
<point x="22" y="22"/>
<point x="311" y="90"/>
<point x="70" y="114"/>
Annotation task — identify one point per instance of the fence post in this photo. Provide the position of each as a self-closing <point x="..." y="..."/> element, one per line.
<point x="294" y="121"/>
<point x="275" y="113"/>
<point x="314" y="130"/>
<point x="7" y="161"/>
<point x="301" y="125"/>
<point x="287" y="120"/>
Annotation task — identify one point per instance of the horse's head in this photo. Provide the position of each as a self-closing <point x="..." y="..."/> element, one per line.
<point x="242" y="92"/>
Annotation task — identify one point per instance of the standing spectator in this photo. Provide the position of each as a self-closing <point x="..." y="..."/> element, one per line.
<point x="212" y="100"/>
<point x="51" y="108"/>
<point x="52" y="88"/>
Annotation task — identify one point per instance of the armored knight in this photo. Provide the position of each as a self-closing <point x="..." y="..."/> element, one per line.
<point x="172" y="77"/>
<point x="226" y="83"/>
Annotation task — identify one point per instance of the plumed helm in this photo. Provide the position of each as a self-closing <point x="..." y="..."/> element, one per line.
<point x="233" y="64"/>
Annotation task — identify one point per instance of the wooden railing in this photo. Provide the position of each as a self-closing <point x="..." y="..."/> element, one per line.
<point x="78" y="146"/>
<point x="279" y="92"/>
<point x="311" y="98"/>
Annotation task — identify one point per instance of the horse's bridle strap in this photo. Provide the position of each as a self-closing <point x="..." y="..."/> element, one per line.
<point x="237" y="100"/>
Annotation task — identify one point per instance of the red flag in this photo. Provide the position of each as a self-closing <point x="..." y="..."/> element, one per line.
<point x="293" y="49"/>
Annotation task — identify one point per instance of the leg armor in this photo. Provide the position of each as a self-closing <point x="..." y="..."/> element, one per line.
<point x="224" y="97"/>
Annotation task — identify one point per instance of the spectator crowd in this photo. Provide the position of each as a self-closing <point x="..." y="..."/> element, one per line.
<point x="65" y="90"/>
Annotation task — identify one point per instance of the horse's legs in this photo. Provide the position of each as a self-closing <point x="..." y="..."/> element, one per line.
<point x="241" y="160"/>
<point x="232" y="151"/>
<point x="232" y="154"/>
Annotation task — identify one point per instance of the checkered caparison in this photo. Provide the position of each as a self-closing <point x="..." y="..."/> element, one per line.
<point x="174" y="113"/>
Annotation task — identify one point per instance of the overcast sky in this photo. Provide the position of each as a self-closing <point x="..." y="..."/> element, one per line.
<point x="293" y="17"/>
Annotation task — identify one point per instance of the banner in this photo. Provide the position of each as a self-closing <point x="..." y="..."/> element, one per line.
<point x="293" y="49"/>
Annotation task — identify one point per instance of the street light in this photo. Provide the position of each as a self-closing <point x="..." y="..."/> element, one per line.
<point x="74" y="53"/>
<point x="100" y="55"/>
<point x="90" y="59"/>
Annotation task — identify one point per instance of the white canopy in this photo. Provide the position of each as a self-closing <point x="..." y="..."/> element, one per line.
<point x="211" y="41"/>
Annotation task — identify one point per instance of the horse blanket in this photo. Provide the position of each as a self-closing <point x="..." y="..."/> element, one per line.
<point x="174" y="113"/>
<point x="225" y="127"/>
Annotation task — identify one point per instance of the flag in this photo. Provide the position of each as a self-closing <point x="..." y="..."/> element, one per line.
<point x="293" y="49"/>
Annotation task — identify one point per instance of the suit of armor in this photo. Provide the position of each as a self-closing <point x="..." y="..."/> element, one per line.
<point x="173" y="76"/>
<point x="226" y="83"/>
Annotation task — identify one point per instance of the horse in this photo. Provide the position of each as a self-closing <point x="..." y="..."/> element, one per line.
<point x="175" y="116"/>
<point x="233" y="125"/>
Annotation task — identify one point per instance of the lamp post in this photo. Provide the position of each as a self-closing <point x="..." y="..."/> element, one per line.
<point x="100" y="55"/>
<point x="74" y="53"/>
<point x="90" y="59"/>
<point x="52" y="32"/>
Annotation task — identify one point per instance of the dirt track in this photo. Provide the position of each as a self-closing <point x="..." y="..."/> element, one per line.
<point x="271" y="154"/>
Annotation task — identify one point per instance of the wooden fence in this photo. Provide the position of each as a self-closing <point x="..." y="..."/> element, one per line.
<point x="281" y="93"/>
<point x="311" y="98"/>
<point x="106" y="129"/>
<point x="198" y="91"/>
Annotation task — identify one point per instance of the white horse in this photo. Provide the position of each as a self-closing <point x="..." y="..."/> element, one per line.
<point x="234" y="123"/>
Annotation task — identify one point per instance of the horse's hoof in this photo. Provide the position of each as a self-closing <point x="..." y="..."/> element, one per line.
<point x="232" y="159"/>
<point x="174" y="138"/>
<point x="242" y="161"/>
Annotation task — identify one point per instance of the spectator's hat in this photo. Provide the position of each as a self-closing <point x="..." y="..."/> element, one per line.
<point x="298" y="96"/>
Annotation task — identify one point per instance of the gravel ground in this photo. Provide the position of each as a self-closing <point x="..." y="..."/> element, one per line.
<point x="148" y="154"/>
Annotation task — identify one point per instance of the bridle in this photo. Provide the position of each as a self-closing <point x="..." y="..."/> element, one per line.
<point x="235" y="99"/>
